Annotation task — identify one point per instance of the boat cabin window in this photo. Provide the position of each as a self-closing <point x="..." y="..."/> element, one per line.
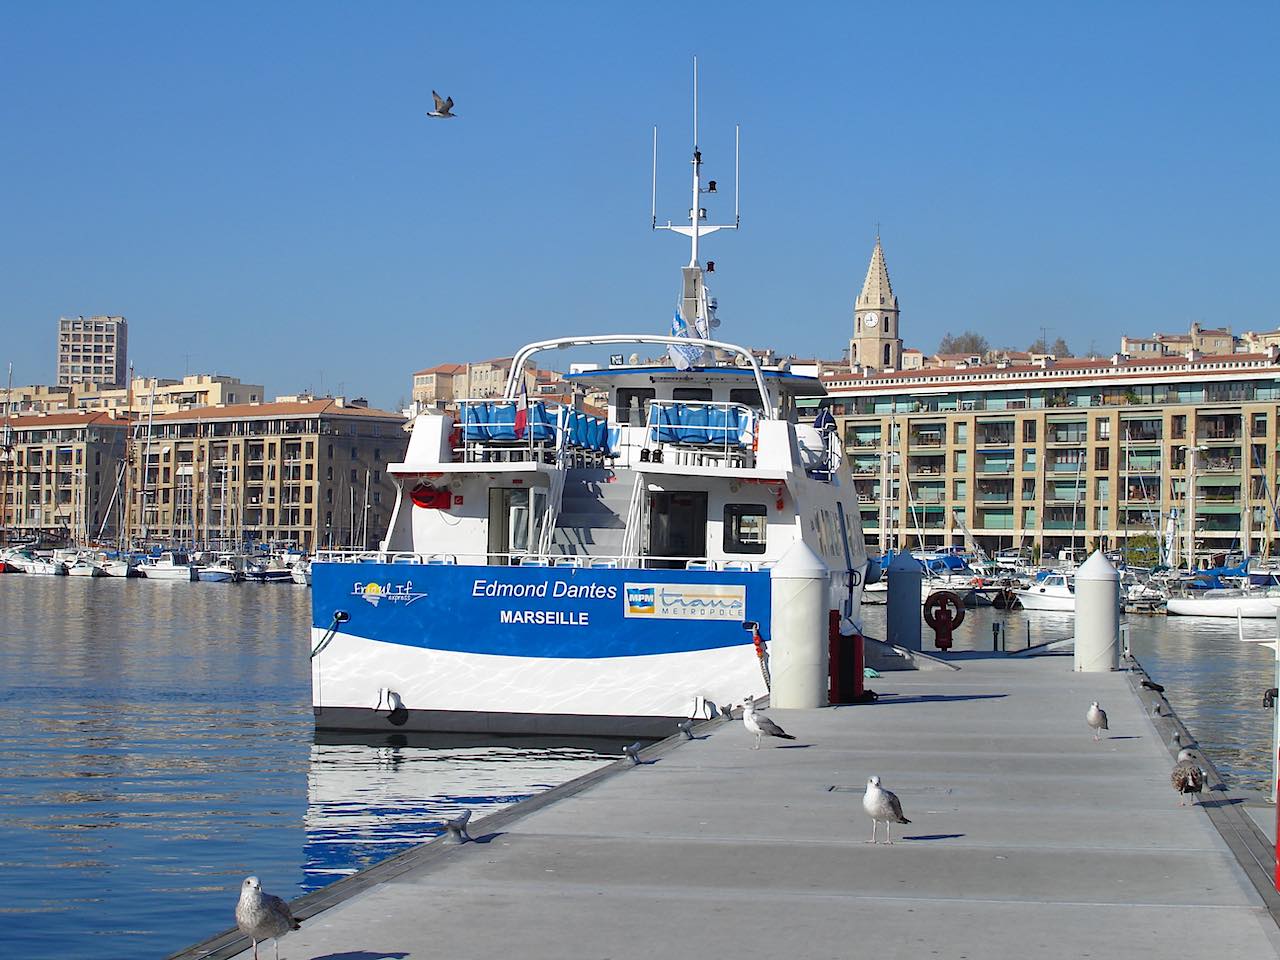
<point x="744" y="527"/>
<point x="633" y="405"/>
<point x="691" y="393"/>
<point x="748" y="397"/>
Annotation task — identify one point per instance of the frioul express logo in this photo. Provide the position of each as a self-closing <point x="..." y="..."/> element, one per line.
<point x="376" y="593"/>
<point x="676" y="601"/>
<point x="640" y="601"/>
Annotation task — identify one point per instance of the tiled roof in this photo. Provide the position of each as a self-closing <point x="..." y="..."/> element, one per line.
<point x="325" y="406"/>
<point x="77" y="418"/>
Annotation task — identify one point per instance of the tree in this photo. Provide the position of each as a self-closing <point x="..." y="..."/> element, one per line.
<point x="968" y="343"/>
<point x="1059" y="347"/>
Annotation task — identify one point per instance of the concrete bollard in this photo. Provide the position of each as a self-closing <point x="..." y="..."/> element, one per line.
<point x="798" y="646"/>
<point x="902" y="614"/>
<point x="1097" y="640"/>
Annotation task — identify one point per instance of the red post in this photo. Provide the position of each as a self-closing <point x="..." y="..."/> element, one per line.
<point x="835" y="687"/>
<point x="859" y="666"/>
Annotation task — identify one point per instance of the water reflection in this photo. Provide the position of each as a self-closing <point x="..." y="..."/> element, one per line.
<point x="369" y="799"/>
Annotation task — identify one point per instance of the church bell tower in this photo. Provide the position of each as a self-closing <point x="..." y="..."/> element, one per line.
<point x="877" y="341"/>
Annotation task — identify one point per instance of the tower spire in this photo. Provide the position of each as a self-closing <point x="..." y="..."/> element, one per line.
<point x="877" y="291"/>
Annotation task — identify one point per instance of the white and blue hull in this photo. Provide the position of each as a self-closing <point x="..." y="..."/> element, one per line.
<point x="604" y="661"/>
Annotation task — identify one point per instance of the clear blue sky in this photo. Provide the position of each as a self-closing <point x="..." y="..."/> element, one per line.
<point x="256" y="188"/>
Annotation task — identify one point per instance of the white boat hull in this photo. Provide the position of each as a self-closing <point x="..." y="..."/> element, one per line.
<point x="119" y="568"/>
<point x="169" y="573"/>
<point x="85" y="570"/>
<point x="1033" y="599"/>
<point x="44" y="568"/>
<point x="1249" y="608"/>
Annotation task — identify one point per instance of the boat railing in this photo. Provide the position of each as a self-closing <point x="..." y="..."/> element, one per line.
<point x="700" y="433"/>
<point x="489" y="431"/>
<point x="578" y="561"/>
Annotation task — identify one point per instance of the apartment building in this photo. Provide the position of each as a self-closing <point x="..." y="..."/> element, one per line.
<point x="440" y="385"/>
<point x="59" y="475"/>
<point x="1070" y="453"/>
<point x="93" y="350"/>
<point x="309" y="472"/>
<point x="157" y="394"/>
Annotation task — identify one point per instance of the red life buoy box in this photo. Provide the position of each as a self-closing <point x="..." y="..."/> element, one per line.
<point x="430" y="498"/>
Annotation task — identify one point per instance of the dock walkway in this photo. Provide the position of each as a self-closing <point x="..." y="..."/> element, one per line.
<point x="1027" y="840"/>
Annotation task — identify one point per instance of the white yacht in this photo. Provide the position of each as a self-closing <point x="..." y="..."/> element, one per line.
<point x="1056" y="591"/>
<point x="170" y="565"/>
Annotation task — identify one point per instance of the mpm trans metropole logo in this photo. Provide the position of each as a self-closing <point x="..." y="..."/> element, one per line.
<point x="673" y="601"/>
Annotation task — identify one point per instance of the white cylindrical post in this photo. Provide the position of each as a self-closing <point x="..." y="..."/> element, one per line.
<point x="798" y="647"/>
<point x="1097" y="615"/>
<point x="902" y="614"/>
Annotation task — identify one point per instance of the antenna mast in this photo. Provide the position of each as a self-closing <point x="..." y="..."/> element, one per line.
<point x="697" y="214"/>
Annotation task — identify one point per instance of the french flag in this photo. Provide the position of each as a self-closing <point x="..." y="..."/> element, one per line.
<point x="522" y="409"/>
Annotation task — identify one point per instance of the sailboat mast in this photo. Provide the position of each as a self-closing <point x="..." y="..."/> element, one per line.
<point x="123" y="530"/>
<point x="6" y="448"/>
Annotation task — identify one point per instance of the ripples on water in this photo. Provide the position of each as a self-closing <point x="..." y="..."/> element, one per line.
<point x="1214" y="682"/>
<point x="156" y="747"/>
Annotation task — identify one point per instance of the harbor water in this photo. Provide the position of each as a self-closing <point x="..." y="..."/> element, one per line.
<point x="156" y="746"/>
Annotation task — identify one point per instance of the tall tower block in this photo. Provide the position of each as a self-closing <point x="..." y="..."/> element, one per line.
<point x="877" y="340"/>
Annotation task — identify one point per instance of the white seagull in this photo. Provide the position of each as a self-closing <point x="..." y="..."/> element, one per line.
<point x="261" y="916"/>
<point x="882" y="804"/>
<point x="443" y="108"/>
<point x="761" y="726"/>
<point x="1096" y="718"/>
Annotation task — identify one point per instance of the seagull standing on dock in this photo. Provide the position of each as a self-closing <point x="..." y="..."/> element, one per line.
<point x="1096" y="718"/>
<point x="882" y="804"/>
<point x="261" y="916"/>
<point x="443" y="108"/>
<point x="1187" y="778"/>
<point x="761" y="726"/>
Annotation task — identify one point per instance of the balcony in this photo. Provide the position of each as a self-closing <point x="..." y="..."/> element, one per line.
<point x="1221" y="465"/>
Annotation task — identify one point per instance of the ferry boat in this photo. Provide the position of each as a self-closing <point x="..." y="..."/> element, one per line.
<point x="550" y="570"/>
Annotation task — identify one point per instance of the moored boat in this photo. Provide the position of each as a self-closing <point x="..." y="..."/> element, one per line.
<point x="1224" y="603"/>
<point x="1054" y="592"/>
<point x="170" y="565"/>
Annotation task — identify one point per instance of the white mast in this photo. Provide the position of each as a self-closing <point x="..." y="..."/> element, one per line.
<point x="697" y="213"/>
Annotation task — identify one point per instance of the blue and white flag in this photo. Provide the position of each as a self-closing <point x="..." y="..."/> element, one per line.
<point x="683" y="355"/>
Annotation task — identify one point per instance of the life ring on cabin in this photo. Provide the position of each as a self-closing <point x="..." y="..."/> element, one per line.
<point x="935" y="604"/>
<point x="430" y="498"/>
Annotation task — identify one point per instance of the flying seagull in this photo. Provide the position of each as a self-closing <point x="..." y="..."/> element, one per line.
<point x="726" y="710"/>
<point x="261" y="916"/>
<point x="1187" y="778"/>
<point x="1097" y="719"/>
<point x="443" y="108"/>
<point x="457" y="827"/>
<point x="761" y="726"/>
<point x="882" y="804"/>
<point x="632" y="751"/>
<point x="686" y="727"/>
